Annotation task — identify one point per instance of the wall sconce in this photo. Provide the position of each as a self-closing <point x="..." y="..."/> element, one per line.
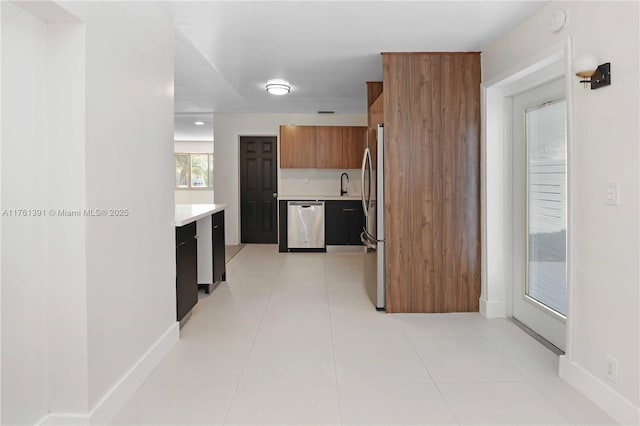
<point x="586" y="67"/>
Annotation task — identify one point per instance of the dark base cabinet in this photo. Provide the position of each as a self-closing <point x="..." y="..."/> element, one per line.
<point x="344" y="221"/>
<point x="186" y="269"/>
<point x="219" y="269"/>
<point x="282" y="227"/>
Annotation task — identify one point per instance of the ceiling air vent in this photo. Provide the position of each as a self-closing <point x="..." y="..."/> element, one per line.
<point x="326" y="112"/>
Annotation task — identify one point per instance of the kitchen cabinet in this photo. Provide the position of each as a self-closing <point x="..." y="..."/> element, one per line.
<point x="218" y="243"/>
<point x="375" y="116"/>
<point x="329" y="142"/>
<point x="321" y="147"/>
<point x="353" y="144"/>
<point x="282" y="226"/>
<point x="432" y="181"/>
<point x="200" y="252"/>
<point x="186" y="269"/>
<point x="297" y="147"/>
<point x="344" y="221"/>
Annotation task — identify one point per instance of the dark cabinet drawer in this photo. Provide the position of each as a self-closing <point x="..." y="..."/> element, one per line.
<point x="184" y="233"/>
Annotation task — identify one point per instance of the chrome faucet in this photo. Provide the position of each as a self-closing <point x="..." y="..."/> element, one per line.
<point x="343" y="191"/>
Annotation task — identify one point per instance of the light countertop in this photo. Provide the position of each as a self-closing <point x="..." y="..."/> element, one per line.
<point x="320" y="197"/>
<point x="187" y="213"/>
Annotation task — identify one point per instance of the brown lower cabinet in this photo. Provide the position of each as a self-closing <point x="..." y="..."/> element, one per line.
<point x="432" y="181"/>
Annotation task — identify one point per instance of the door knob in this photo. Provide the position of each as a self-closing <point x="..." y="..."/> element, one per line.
<point x="275" y="195"/>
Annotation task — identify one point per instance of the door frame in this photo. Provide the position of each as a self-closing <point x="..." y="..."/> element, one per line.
<point x="496" y="213"/>
<point x="239" y="179"/>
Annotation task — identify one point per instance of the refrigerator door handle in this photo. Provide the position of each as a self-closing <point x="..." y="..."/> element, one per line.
<point x="366" y="241"/>
<point x="365" y="202"/>
<point x="371" y="237"/>
<point x="370" y="164"/>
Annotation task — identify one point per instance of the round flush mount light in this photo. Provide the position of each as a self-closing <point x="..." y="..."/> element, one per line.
<point x="278" y="87"/>
<point x="199" y="123"/>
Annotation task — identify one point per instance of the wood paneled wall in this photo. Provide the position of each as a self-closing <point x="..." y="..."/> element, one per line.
<point x="432" y="181"/>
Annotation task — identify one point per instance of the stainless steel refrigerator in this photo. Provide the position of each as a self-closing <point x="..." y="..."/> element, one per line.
<point x="373" y="234"/>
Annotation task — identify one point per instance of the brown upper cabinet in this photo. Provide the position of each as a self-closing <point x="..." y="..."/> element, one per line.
<point x="297" y="147"/>
<point x="328" y="147"/>
<point x="353" y="143"/>
<point x="375" y="115"/>
<point x="321" y="147"/>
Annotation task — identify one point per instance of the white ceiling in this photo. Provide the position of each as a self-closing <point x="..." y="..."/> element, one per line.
<point x="185" y="128"/>
<point x="227" y="50"/>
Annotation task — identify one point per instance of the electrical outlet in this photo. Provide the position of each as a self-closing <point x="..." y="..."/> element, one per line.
<point x="611" y="369"/>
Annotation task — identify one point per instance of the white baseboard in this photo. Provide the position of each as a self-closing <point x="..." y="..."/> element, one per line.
<point x="492" y="309"/>
<point x="113" y="401"/>
<point x="614" y="404"/>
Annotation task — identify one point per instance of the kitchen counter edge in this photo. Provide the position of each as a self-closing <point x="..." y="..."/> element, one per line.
<point x="187" y="213"/>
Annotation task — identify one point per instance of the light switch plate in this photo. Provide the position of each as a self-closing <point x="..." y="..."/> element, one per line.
<point x="611" y="194"/>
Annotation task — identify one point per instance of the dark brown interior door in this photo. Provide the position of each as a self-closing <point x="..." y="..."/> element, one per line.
<point x="258" y="189"/>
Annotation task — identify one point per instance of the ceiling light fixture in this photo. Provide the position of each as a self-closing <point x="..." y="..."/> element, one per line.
<point x="199" y="123"/>
<point x="278" y="87"/>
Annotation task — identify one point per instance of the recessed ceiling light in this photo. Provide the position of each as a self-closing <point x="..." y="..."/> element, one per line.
<point x="199" y="123"/>
<point x="278" y="87"/>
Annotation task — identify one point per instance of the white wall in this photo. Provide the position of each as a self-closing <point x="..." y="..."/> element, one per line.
<point x="90" y="113"/>
<point x="194" y="196"/>
<point x="66" y="237"/>
<point x="24" y="328"/>
<point x="129" y="165"/>
<point x="0" y="220"/>
<point x="606" y="239"/>
<point x="229" y="127"/>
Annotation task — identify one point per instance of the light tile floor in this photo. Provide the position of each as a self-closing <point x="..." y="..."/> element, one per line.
<point x="292" y="339"/>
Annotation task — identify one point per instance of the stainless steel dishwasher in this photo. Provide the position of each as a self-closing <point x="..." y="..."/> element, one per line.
<point x="305" y="224"/>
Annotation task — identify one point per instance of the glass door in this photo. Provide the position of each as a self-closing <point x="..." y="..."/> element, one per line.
<point x="546" y="168"/>
<point x="540" y="211"/>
